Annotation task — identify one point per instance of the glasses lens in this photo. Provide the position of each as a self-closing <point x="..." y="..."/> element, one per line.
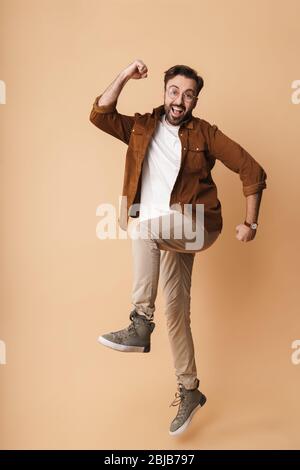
<point x="188" y="96"/>
<point x="173" y="92"/>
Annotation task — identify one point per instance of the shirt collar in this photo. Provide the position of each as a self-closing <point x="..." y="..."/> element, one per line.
<point x="159" y="111"/>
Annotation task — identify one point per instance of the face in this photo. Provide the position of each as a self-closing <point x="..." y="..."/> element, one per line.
<point x="177" y="107"/>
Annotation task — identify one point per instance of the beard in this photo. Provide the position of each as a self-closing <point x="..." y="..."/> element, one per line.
<point x="176" y="120"/>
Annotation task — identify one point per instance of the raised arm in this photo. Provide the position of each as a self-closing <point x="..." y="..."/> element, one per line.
<point x="104" y="114"/>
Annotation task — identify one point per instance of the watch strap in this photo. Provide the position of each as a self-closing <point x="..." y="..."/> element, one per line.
<point x="250" y="225"/>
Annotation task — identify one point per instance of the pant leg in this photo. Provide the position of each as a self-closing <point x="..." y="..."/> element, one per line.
<point x="176" y="277"/>
<point x="146" y="251"/>
<point x="146" y="266"/>
<point x="176" y="274"/>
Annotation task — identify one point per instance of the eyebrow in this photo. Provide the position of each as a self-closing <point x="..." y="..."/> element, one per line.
<point x="189" y="89"/>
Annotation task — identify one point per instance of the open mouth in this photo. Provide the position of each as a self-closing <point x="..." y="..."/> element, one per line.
<point x="176" y="112"/>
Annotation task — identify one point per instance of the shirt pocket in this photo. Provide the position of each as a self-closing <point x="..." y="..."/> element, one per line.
<point x="137" y="139"/>
<point x="195" y="161"/>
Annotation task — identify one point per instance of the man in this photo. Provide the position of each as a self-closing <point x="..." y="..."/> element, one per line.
<point x="168" y="166"/>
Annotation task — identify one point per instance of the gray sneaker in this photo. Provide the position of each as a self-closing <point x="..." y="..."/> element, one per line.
<point x="189" y="402"/>
<point x="134" y="338"/>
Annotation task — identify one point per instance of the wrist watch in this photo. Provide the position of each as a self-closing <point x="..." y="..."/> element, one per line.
<point x="253" y="225"/>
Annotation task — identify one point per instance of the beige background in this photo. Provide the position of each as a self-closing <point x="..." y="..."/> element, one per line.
<point x="61" y="286"/>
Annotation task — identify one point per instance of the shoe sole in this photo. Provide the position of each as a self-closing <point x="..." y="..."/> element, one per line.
<point x="123" y="347"/>
<point x="187" y="422"/>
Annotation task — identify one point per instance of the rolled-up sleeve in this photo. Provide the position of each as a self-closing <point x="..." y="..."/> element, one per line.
<point x="109" y="120"/>
<point x="237" y="159"/>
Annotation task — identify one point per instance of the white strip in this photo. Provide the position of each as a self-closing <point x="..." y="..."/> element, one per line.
<point x="120" y="347"/>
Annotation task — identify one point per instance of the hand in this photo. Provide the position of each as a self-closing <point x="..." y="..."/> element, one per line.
<point x="244" y="233"/>
<point x="136" y="70"/>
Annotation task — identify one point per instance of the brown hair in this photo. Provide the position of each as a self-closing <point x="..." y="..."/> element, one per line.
<point x="186" y="72"/>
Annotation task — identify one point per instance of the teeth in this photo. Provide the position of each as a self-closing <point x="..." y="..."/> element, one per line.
<point x="176" y="110"/>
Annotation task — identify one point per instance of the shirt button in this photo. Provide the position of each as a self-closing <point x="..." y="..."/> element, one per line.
<point x="184" y="148"/>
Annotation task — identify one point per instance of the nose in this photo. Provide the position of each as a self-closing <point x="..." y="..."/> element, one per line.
<point x="179" y="101"/>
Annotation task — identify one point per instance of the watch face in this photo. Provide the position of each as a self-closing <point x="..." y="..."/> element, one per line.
<point x="254" y="226"/>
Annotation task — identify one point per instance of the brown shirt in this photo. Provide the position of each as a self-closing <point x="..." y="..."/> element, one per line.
<point x="202" y="143"/>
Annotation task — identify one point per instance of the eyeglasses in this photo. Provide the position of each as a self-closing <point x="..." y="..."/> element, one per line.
<point x="173" y="93"/>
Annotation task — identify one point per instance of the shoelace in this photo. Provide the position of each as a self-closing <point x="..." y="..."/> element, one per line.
<point x="131" y="328"/>
<point x="178" y="398"/>
<point x="133" y="316"/>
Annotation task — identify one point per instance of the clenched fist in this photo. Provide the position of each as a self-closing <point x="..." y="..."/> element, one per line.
<point x="244" y="233"/>
<point x="136" y="70"/>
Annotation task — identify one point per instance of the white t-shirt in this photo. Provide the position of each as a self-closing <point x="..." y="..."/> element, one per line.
<point x="160" y="169"/>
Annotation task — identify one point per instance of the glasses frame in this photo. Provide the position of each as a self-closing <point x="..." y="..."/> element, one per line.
<point x="188" y="100"/>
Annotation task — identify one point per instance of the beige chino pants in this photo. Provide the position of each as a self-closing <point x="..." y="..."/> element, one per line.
<point x="160" y="252"/>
